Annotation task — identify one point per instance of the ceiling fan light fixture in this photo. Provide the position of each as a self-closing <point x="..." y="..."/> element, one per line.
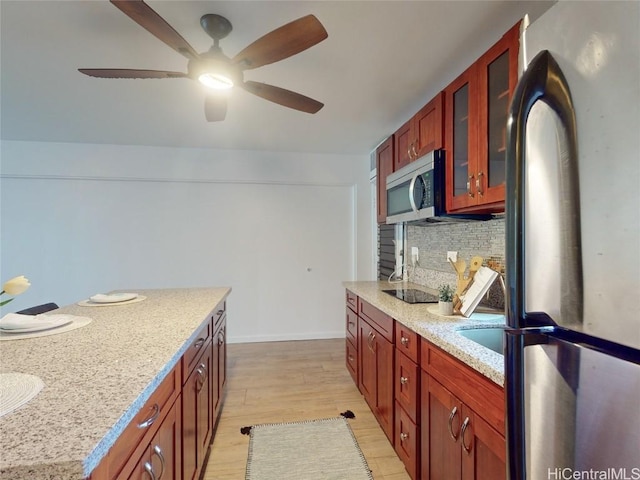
<point x="219" y="81"/>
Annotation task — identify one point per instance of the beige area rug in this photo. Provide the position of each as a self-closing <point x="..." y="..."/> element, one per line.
<point x="324" y="449"/>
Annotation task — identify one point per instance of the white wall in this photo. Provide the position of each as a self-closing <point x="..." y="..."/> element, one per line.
<point x="282" y="229"/>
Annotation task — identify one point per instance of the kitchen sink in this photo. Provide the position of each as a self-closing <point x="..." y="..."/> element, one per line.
<point x="491" y="338"/>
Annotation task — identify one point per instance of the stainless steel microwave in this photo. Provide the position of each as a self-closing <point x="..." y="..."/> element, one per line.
<point x="416" y="191"/>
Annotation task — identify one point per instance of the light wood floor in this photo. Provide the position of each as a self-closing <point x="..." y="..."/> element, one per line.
<point x="290" y="381"/>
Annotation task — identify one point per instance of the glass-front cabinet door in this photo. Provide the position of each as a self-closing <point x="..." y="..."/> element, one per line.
<point x="477" y="104"/>
<point x="460" y="140"/>
<point x="498" y="76"/>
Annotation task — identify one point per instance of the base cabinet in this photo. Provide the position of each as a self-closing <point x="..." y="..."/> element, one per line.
<point x="197" y="416"/>
<point x="462" y="421"/>
<point x="162" y="458"/>
<point x="376" y="374"/>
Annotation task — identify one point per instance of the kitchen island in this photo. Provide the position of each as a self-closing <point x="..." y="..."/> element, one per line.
<point x="97" y="378"/>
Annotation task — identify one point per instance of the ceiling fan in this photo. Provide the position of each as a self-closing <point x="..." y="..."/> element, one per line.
<point x="217" y="71"/>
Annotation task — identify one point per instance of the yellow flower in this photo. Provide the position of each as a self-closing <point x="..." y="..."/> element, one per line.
<point x="16" y="285"/>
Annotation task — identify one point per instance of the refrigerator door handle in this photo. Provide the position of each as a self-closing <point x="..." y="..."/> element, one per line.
<point x="543" y="80"/>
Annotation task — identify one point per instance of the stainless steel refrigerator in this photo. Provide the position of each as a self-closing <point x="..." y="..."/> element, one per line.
<point x="572" y="350"/>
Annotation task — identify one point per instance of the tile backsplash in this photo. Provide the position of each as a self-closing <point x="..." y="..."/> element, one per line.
<point x="485" y="239"/>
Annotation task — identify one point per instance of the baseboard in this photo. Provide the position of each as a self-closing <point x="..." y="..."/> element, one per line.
<point x="280" y="337"/>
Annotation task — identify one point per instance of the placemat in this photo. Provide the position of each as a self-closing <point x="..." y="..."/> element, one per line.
<point x="16" y="389"/>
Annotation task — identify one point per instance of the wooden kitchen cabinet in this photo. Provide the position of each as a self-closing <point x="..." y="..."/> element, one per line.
<point x="421" y="134"/>
<point x="375" y="356"/>
<point x="134" y="442"/>
<point x="407" y="398"/>
<point x="219" y="366"/>
<point x="162" y="458"/>
<point x="197" y="414"/>
<point x="476" y="111"/>
<point x="351" y="342"/>
<point x="384" y="167"/>
<point x="462" y="420"/>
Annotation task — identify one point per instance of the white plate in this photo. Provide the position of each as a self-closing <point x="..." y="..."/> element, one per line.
<point x="113" y="297"/>
<point x="46" y="325"/>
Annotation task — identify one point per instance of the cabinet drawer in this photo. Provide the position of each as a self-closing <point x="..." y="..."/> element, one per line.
<point x="352" y="301"/>
<point x="352" y="326"/>
<point x="193" y="352"/>
<point x="407" y="385"/>
<point x="218" y="314"/>
<point x="145" y="423"/>
<point x="407" y="444"/>
<point x="352" y="360"/>
<point x="407" y="342"/>
<point x="381" y="321"/>
<point x="475" y="390"/>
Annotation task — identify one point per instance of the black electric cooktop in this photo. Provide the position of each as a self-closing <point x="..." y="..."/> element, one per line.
<point x="411" y="295"/>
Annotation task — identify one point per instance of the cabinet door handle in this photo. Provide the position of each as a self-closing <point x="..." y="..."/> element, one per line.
<point x="404" y="380"/>
<point x="415" y="152"/>
<point x="404" y="341"/>
<point x="469" y="192"/>
<point x="465" y="424"/>
<point x="409" y="152"/>
<point x="450" y="423"/>
<point x="154" y="416"/>
<point x="149" y="469"/>
<point x="198" y="343"/>
<point x="221" y="337"/>
<point x="158" y="451"/>
<point x="479" y="184"/>
<point x="202" y="372"/>
<point x="403" y="436"/>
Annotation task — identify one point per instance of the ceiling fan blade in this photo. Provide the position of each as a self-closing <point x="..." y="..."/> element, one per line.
<point x="282" y="43"/>
<point x="215" y="108"/>
<point x="147" y="18"/>
<point x="129" y="73"/>
<point x="283" y="97"/>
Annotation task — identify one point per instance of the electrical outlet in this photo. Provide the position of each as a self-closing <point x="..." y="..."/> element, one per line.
<point x="453" y="256"/>
<point x="415" y="256"/>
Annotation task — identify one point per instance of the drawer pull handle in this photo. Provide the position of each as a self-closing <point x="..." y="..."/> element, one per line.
<point x="351" y="358"/>
<point x="202" y="372"/>
<point x="149" y="469"/>
<point x="154" y="416"/>
<point x="450" y="423"/>
<point x="404" y="380"/>
<point x="404" y="341"/>
<point x="465" y="424"/>
<point x="158" y="451"/>
<point x="219" y="312"/>
<point x="198" y="343"/>
<point x="403" y="436"/>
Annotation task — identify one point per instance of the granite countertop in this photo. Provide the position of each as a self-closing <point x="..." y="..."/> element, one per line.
<point x="96" y="379"/>
<point x="438" y="329"/>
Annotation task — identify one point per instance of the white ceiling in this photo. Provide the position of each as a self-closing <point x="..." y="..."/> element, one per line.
<point x="381" y="62"/>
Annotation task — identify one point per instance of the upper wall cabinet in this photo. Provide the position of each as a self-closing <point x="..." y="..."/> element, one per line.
<point x="421" y="134"/>
<point x="477" y="104"/>
<point x="384" y="166"/>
